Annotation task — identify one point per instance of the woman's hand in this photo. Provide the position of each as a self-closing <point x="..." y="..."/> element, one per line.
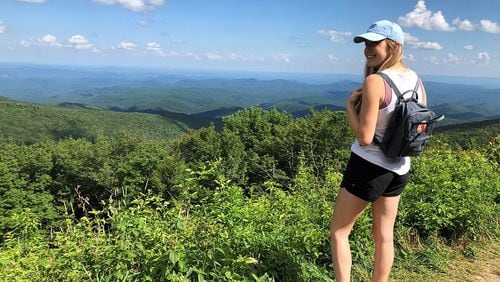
<point x="355" y="95"/>
<point x="355" y="99"/>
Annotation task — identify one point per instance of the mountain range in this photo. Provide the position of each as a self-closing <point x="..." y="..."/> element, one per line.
<point x="198" y="99"/>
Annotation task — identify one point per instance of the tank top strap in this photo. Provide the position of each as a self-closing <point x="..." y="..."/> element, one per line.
<point x="388" y="95"/>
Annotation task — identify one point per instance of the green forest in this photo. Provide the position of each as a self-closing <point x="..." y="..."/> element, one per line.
<point x="250" y="201"/>
<point x="29" y="123"/>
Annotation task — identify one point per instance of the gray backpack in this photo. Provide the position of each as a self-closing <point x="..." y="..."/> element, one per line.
<point x="410" y="125"/>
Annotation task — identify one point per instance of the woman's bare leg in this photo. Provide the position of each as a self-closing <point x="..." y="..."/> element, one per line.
<point x="347" y="210"/>
<point x="384" y="211"/>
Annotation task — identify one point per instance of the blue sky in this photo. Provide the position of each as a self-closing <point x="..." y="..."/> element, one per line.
<point x="459" y="37"/>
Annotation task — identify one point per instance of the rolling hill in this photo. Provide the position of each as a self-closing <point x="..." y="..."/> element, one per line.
<point x="29" y="123"/>
<point x="479" y="134"/>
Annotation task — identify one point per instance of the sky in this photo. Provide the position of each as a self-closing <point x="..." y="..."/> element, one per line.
<point x="442" y="37"/>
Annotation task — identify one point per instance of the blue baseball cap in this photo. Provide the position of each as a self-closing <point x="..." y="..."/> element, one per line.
<point x="381" y="30"/>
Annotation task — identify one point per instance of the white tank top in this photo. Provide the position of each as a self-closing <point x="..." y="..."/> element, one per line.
<point x="372" y="153"/>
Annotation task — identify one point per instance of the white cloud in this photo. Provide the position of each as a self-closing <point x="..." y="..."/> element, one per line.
<point x="484" y="25"/>
<point x="228" y="56"/>
<point x="489" y="26"/>
<point x="49" y="40"/>
<point x="32" y="1"/>
<point x="189" y="55"/>
<point x="469" y="47"/>
<point x="464" y="25"/>
<point x="335" y="36"/>
<point x="155" y="47"/>
<point x="410" y="38"/>
<point x="423" y="18"/>
<point x="415" y="43"/>
<point x="426" y="45"/>
<point x="432" y="59"/>
<point x="333" y="58"/>
<point x="213" y="56"/>
<point x="174" y="54"/>
<point x="46" y="40"/>
<point x="3" y="27"/>
<point x="192" y="56"/>
<point x="410" y="58"/>
<point x="483" y="57"/>
<point x="145" y="23"/>
<point x="157" y="2"/>
<point x="25" y="43"/>
<point x="80" y="42"/>
<point x="451" y="59"/>
<point x="83" y="46"/>
<point x="284" y="57"/>
<point x="78" y="39"/>
<point x="236" y="57"/>
<point x="257" y="58"/>
<point x="129" y="46"/>
<point x="244" y="58"/>
<point x="134" y="5"/>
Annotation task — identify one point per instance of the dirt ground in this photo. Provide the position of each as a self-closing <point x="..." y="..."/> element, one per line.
<point x="485" y="267"/>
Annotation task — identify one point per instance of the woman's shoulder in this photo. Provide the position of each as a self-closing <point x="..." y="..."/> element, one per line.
<point x="374" y="84"/>
<point x="373" y="78"/>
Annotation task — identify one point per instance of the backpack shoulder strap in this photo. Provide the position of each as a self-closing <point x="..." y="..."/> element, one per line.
<point x="390" y="82"/>
<point x="395" y="88"/>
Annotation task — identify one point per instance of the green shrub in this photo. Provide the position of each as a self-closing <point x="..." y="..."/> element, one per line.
<point x="250" y="203"/>
<point x="452" y="194"/>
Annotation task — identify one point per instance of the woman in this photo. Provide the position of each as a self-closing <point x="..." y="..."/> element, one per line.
<point x="371" y="177"/>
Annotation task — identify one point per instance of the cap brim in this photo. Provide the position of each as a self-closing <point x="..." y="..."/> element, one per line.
<point x="370" y="36"/>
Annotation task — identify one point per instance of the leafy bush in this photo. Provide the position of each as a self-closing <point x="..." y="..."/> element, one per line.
<point x="77" y="176"/>
<point x="225" y="237"/>
<point x="452" y="194"/>
<point x="256" y="146"/>
<point x="249" y="203"/>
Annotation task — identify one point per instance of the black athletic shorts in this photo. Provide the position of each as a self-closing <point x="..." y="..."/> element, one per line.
<point x="369" y="181"/>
